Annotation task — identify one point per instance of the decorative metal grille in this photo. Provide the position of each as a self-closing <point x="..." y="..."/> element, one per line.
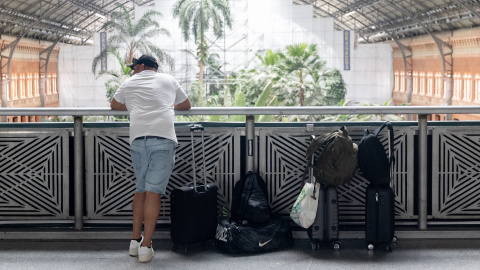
<point x="35" y="168"/>
<point x="282" y="164"/>
<point x="111" y="180"/>
<point x="456" y="173"/>
<point x="34" y="174"/>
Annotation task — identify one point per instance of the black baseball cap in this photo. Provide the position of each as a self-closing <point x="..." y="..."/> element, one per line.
<point x="145" y="59"/>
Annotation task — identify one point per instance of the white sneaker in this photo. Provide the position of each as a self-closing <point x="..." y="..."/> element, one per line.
<point x="145" y="254"/>
<point x="134" y="246"/>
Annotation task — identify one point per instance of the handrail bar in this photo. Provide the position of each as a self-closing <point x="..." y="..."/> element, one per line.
<point x="305" y="110"/>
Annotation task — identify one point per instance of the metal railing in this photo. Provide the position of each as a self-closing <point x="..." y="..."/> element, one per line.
<point x="421" y="111"/>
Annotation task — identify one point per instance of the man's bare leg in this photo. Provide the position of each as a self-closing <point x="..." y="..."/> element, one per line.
<point x="151" y="211"/>
<point x="138" y="207"/>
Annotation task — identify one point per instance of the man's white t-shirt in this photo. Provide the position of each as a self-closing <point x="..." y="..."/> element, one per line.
<point x="149" y="97"/>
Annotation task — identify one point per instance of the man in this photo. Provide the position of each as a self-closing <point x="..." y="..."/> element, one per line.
<point x="151" y="99"/>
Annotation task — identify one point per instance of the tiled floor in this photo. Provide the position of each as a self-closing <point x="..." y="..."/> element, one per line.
<point x="113" y="254"/>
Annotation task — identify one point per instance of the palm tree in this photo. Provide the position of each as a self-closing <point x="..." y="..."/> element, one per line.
<point x="300" y="60"/>
<point x="195" y="18"/>
<point x="253" y="81"/>
<point x="134" y="37"/>
<point x="116" y="77"/>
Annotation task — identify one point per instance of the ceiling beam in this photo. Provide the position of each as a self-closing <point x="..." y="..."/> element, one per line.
<point x="471" y="9"/>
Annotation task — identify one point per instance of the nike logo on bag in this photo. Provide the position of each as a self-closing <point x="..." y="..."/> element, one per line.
<point x="260" y="244"/>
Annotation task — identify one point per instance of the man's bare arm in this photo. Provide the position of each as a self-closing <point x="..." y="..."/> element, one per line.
<point x="115" y="105"/>
<point x="183" y="106"/>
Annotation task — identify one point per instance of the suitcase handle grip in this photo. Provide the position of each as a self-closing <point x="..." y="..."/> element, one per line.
<point x="195" y="127"/>
<point x="199" y="189"/>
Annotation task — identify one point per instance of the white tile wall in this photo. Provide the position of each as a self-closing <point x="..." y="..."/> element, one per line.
<point x="328" y="23"/>
<point x="302" y="11"/>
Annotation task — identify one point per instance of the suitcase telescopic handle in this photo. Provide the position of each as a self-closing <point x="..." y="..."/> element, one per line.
<point x="192" y="130"/>
<point x="312" y="160"/>
<point x="310" y="171"/>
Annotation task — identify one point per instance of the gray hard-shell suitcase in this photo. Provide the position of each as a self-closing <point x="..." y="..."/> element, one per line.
<point x="194" y="208"/>
<point x="325" y="225"/>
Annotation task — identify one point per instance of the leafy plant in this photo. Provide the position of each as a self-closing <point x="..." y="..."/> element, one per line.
<point x="195" y="18"/>
<point x="300" y="60"/>
<point x="291" y="77"/>
<point x="134" y="37"/>
<point x="116" y="77"/>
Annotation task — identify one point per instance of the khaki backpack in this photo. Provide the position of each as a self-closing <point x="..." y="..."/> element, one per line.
<point x="337" y="162"/>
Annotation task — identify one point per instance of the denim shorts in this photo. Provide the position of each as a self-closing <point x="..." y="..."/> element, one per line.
<point x="153" y="159"/>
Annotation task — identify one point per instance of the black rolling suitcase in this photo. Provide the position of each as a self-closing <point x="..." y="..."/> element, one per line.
<point x="193" y="207"/>
<point x="325" y="225"/>
<point x="380" y="199"/>
<point x="380" y="217"/>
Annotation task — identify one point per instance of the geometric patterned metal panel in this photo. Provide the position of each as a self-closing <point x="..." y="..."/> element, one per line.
<point x="111" y="179"/>
<point x="282" y="164"/>
<point x="34" y="174"/>
<point x="456" y="173"/>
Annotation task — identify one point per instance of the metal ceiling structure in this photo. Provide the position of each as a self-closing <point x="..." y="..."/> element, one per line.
<point x="380" y="20"/>
<point x="66" y="21"/>
<point x="75" y="21"/>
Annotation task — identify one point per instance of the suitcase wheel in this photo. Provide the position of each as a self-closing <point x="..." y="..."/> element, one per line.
<point x="315" y="246"/>
<point x="394" y="239"/>
<point x="370" y="246"/>
<point x="389" y="248"/>
<point x="336" y="246"/>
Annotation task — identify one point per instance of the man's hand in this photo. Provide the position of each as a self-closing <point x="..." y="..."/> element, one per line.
<point x="115" y="105"/>
<point x="182" y="106"/>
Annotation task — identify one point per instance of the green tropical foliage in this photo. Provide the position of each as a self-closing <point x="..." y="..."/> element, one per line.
<point x="134" y="37"/>
<point x="116" y="77"/>
<point x="291" y="77"/>
<point x="300" y="60"/>
<point x="195" y="18"/>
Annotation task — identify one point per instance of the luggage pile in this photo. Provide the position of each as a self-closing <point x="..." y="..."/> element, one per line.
<point x="331" y="161"/>
<point x="251" y="227"/>
<point x="376" y="167"/>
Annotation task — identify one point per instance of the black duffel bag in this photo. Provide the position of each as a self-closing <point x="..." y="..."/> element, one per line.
<point x="236" y="238"/>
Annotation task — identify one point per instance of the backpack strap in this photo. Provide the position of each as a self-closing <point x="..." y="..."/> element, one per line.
<point x="390" y="140"/>
<point x="308" y="170"/>
<point x="245" y="196"/>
